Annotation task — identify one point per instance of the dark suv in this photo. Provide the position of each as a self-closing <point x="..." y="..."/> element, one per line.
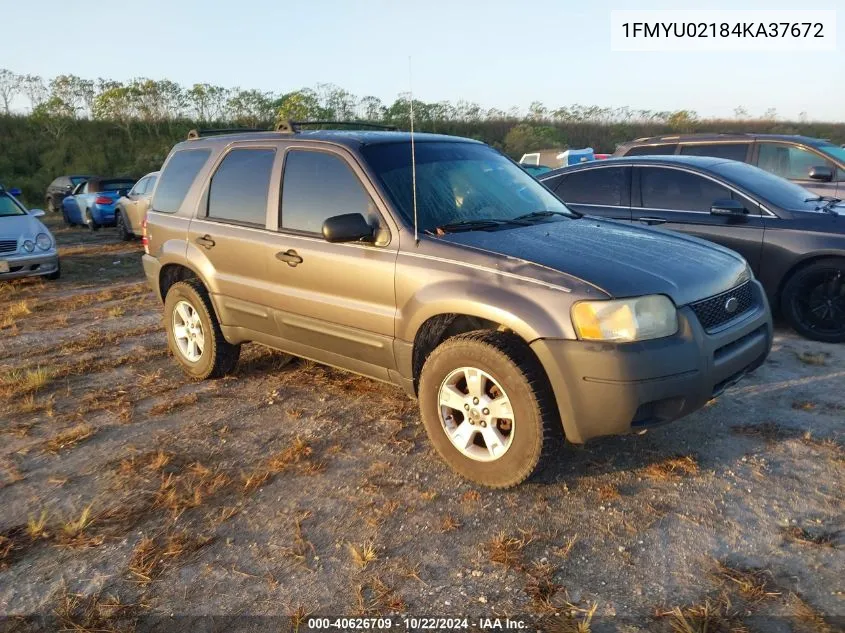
<point x="447" y="270"/>
<point x="60" y="189"/>
<point x="814" y="163"/>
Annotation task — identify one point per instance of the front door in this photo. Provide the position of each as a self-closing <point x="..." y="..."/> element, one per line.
<point x="335" y="302"/>
<point x="680" y="200"/>
<point x="794" y="163"/>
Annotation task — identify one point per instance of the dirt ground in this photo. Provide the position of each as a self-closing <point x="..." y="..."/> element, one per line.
<point x="134" y="499"/>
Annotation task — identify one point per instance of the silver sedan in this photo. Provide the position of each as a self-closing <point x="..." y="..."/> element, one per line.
<point x="27" y="248"/>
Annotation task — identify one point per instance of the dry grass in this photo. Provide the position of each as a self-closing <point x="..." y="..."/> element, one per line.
<point x="608" y="492"/>
<point x="73" y="532"/>
<point x="803" y="405"/>
<point x="174" y="404"/>
<point x="702" y="618"/>
<point x="69" y="438"/>
<point x="375" y="597"/>
<point x="672" y="468"/>
<point x="542" y="588"/>
<point x="572" y="619"/>
<point x="506" y="550"/>
<point x="754" y="585"/>
<point x="815" y="537"/>
<point x="16" y="383"/>
<point x="767" y="431"/>
<point x="17" y="310"/>
<point x="188" y="488"/>
<point x="363" y="555"/>
<point x="449" y="524"/>
<point x="94" y="613"/>
<point x="115" y="311"/>
<point x="151" y="556"/>
<point x="36" y="528"/>
<point x="813" y="358"/>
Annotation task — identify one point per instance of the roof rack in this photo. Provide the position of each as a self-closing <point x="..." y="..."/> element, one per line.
<point x="295" y="125"/>
<point x="288" y="127"/>
<point x="195" y="134"/>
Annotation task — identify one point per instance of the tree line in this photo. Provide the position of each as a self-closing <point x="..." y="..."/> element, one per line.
<point x="69" y="124"/>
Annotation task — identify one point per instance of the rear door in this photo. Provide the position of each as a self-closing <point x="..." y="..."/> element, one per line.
<point x="680" y="200"/>
<point x="334" y="302"/>
<point x="228" y="239"/>
<point x="70" y="205"/>
<point x="602" y="190"/>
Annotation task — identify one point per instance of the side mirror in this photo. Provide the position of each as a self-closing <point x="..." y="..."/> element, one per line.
<point x="36" y="213"/>
<point x="822" y="173"/>
<point x="349" y="227"/>
<point x="728" y="207"/>
<point x="15" y="192"/>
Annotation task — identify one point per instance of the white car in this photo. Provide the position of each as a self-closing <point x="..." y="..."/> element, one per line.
<point x="27" y="248"/>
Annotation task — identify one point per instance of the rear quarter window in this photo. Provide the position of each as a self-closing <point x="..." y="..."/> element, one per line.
<point x="731" y="151"/>
<point x="177" y="178"/>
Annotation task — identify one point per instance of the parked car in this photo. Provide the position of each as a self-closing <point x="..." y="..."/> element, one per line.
<point x="793" y="239"/>
<point x="59" y="189"/>
<point x="131" y="209"/>
<point x="535" y="170"/>
<point x="27" y="248"/>
<point x="508" y="315"/>
<point x="93" y="202"/>
<point x="814" y="163"/>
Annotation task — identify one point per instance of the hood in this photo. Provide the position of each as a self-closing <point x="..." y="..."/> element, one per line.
<point x="18" y="226"/>
<point x="623" y="260"/>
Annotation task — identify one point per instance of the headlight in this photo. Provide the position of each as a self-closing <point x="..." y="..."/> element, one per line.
<point x="624" y="320"/>
<point x="43" y="241"/>
<point x="28" y="246"/>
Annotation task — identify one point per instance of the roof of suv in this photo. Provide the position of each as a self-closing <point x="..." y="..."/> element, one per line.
<point x="682" y="138"/>
<point x="353" y="139"/>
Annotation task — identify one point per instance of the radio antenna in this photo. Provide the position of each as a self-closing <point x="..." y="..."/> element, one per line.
<point x="413" y="152"/>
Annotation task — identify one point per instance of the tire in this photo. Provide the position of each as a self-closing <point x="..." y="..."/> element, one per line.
<point x="122" y="228"/>
<point x="818" y="286"/>
<point x="90" y="222"/>
<point x="535" y="430"/>
<point x="218" y="357"/>
<point x="57" y="274"/>
<point x="51" y="205"/>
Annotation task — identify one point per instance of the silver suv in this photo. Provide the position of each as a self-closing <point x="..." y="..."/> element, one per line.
<point x="462" y="280"/>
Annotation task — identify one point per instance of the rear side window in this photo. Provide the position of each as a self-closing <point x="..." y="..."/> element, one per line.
<point x="177" y="178"/>
<point x="603" y="186"/>
<point x="674" y="189"/>
<point x="317" y="186"/>
<point x="651" y="150"/>
<point x="731" y="151"/>
<point x="240" y="186"/>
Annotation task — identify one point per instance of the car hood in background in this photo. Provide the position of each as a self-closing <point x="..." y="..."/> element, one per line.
<point x="17" y="226"/>
<point x="622" y="260"/>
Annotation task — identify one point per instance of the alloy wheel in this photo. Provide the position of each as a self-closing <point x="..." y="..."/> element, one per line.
<point x="188" y="332"/>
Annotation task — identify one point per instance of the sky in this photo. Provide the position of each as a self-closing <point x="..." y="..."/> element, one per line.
<point x="495" y="53"/>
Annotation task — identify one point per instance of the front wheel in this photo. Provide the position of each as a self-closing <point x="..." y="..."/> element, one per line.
<point x="488" y="408"/>
<point x="813" y="300"/>
<point x="193" y="333"/>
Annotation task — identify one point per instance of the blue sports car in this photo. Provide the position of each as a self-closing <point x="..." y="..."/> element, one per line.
<point x="92" y="202"/>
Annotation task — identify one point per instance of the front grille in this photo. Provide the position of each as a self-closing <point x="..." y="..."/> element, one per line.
<point x="8" y="246"/>
<point x="712" y="312"/>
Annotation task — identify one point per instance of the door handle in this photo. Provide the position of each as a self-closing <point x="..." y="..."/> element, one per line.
<point x="205" y="241"/>
<point x="651" y="221"/>
<point x="289" y="256"/>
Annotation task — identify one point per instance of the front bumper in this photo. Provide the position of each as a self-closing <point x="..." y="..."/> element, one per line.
<point x="30" y="265"/>
<point x="610" y="389"/>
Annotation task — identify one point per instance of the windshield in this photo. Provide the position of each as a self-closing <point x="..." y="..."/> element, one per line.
<point x="834" y="151"/>
<point x="9" y="206"/>
<point x="457" y="182"/>
<point x="768" y="186"/>
<point x="75" y="180"/>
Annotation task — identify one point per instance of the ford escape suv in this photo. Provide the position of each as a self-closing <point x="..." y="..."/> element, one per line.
<point x="510" y="317"/>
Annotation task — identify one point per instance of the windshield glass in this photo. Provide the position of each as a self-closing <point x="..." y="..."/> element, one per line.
<point x="457" y="182"/>
<point x="834" y="151"/>
<point x="9" y="206"/>
<point x="768" y="186"/>
<point x="75" y="180"/>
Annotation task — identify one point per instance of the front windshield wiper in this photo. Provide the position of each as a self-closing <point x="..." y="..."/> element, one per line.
<point x="476" y="225"/>
<point x="543" y="214"/>
<point x="829" y="200"/>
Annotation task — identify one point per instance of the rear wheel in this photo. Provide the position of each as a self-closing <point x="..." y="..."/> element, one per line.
<point x="122" y="227"/>
<point x="488" y="408"/>
<point x="90" y="221"/>
<point x="193" y="332"/>
<point x="813" y="300"/>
